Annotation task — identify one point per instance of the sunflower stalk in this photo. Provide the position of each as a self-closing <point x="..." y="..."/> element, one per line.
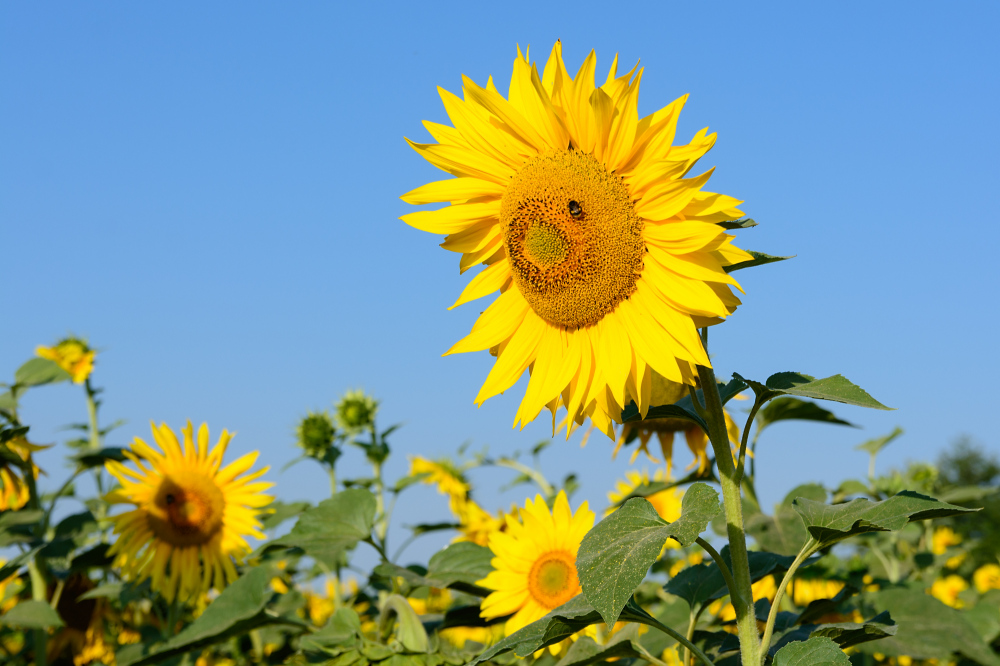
<point x="808" y="549"/>
<point x="742" y="597"/>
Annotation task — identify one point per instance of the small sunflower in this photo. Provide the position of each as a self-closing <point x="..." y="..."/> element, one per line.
<point x="191" y="517"/>
<point x="14" y="492"/>
<point x="449" y="481"/>
<point x="606" y="255"/>
<point x="476" y="524"/>
<point x="535" y="562"/>
<point x="72" y="355"/>
<point x="665" y="392"/>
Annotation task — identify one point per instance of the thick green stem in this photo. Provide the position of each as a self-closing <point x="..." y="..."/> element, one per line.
<point x="39" y="592"/>
<point x="333" y="480"/>
<point x="746" y="622"/>
<point x="804" y="554"/>
<point x="95" y="433"/>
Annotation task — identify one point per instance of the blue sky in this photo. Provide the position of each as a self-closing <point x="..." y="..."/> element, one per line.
<point x="209" y="192"/>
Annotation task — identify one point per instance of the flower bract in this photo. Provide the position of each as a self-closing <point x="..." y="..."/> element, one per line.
<point x="192" y="516"/>
<point x="608" y="256"/>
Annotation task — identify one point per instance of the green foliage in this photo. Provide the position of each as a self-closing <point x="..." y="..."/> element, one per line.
<point x="616" y="555"/>
<point x="759" y="259"/>
<point x="32" y="615"/>
<point x="836" y="388"/>
<point x="333" y="526"/>
<point x="39" y="371"/>
<point x="818" y="651"/>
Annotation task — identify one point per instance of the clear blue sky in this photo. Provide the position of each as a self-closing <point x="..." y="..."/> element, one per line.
<point x="209" y="192"/>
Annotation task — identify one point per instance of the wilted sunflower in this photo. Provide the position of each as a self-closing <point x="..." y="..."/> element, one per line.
<point x="607" y="257"/>
<point x="192" y="515"/>
<point x="72" y="355"/>
<point x="535" y="563"/>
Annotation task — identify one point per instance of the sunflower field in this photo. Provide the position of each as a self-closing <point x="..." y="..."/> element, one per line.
<point x="612" y="263"/>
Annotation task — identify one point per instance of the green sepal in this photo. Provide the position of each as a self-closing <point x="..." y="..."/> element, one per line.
<point x="759" y="259"/>
<point x="616" y="555"/>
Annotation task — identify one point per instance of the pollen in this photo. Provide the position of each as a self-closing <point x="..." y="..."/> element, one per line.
<point x="572" y="236"/>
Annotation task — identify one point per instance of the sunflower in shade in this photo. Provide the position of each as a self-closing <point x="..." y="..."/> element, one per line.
<point x="192" y="516"/>
<point x="665" y="392"/>
<point x="607" y="255"/>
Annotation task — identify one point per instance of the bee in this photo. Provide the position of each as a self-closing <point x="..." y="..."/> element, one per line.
<point x="575" y="210"/>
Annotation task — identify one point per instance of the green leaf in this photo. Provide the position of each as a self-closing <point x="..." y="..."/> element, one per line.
<point x="332" y="526"/>
<point x="927" y="629"/>
<point x="586" y="651"/>
<point x="98" y="458"/>
<point x="702" y="583"/>
<point x="684" y="408"/>
<point x="77" y="524"/>
<point x="759" y="259"/>
<point x="239" y="609"/>
<point x="782" y="533"/>
<point x="616" y="554"/>
<point x="15" y="563"/>
<point x="40" y="371"/>
<point x="32" y="615"/>
<point x="873" y="446"/>
<point x="844" y="634"/>
<point x="276" y="513"/>
<point x="458" y="566"/>
<point x="793" y="409"/>
<point x="836" y="388"/>
<point x="818" y="651"/>
<point x="108" y="591"/>
<point x="344" y="627"/>
<point x="10" y="519"/>
<point x="462" y="562"/>
<point x="829" y="524"/>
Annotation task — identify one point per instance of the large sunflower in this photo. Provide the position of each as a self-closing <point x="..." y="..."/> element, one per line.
<point x="535" y="562"/>
<point x="607" y="257"/>
<point x="191" y="515"/>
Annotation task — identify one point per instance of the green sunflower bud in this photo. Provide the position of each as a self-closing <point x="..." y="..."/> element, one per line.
<point x="315" y="434"/>
<point x="356" y="411"/>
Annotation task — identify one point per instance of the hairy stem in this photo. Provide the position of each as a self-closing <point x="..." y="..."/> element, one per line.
<point x="742" y="600"/>
<point x="723" y="567"/>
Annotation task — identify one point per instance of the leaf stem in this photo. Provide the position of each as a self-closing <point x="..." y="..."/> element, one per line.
<point x="721" y="563"/>
<point x="653" y="622"/>
<point x="741" y="463"/>
<point x="534" y="474"/>
<point x="808" y="549"/>
<point x="742" y="600"/>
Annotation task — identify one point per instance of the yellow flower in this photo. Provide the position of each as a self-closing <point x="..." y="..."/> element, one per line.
<point x="477" y="524"/>
<point x="191" y="517"/>
<point x="942" y="539"/>
<point x="671" y="657"/>
<point x="692" y="559"/>
<point x="9" y="590"/>
<point x="436" y="601"/>
<point x="535" y="563"/>
<point x="13" y="489"/>
<point x="666" y="502"/>
<point x="947" y="589"/>
<point x="666" y="392"/>
<point x="72" y="355"/>
<point x="804" y="591"/>
<point x="319" y="607"/>
<point x="765" y="588"/>
<point x="448" y="480"/>
<point x="987" y="577"/>
<point x="606" y="256"/>
<point x="459" y="636"/>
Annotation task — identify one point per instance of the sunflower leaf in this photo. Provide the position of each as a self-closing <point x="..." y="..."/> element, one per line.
<point x="836" y="388"/>
<point x="39" y="371"/>
<point x="332" y="526"/>
<point x="587" y="651"/>
<point x="615" y="556"/>
<point x="702" y="583"/>
<point x="239" y="609"/>
<point x="817" y="651"/>
<point x="759" y="259"/>
<point x="844" y="634"/>
<point x="828" y="524"/>
<point x="794" y="409"/>
<point x="32" y="615"/>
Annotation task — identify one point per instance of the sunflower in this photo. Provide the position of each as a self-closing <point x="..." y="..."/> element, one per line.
<point x="665" y="392"/>
<point x="443" y="474"/>
<point x="191" y="515"/>
<point x="14" y="492"/>
<point x="72" y="355"/>
<point x="535" y="562"/>
<point x="606" y="255"/>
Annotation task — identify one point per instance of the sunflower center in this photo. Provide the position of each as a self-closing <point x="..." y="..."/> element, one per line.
<point x="187" y="509"/>
<point x="572" y="236"/>
<point x="552" y="580"/>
